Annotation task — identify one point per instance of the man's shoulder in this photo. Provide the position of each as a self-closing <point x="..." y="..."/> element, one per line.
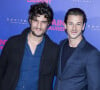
<point x="92" y="54"/>
<point x="62" y="42"/>
<point x="14" y="38"/>
<point x="91" y="49"/>
<point x="19" y="37"/>
<point x="49" y="41"/>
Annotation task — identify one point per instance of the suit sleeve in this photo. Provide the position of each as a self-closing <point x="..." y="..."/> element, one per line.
<point x="93" y="70"/>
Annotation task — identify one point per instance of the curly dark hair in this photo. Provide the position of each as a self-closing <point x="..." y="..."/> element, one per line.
<point x="41" y="8"/>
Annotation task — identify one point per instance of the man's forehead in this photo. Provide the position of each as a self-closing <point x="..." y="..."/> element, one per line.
<point x="38" y="15"/>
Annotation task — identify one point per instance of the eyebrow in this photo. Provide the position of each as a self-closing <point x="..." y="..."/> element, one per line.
<point x="72" y="22"/>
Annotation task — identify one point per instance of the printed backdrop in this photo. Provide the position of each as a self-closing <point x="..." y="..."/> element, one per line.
<point x="14" y="18"/>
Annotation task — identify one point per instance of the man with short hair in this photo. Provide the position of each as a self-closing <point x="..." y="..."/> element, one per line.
<point x="79" y="61"/>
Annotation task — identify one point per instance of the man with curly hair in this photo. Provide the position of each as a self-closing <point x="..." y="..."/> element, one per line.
<point x="28" y="61"/>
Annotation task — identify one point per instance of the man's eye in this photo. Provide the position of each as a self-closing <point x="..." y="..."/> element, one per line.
<point x="70" y="23"/>
<point x="34" y="20"/>
<point x="78" y="24"/>
<point x="45" y="22"/>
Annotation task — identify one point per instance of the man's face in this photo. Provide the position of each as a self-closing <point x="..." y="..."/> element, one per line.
<point x="74" y="26"/>
<point x="39" y="25"/>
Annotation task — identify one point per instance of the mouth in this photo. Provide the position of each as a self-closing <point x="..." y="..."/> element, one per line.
<point x="38" y="29"/>
<point x="73" y="32"/>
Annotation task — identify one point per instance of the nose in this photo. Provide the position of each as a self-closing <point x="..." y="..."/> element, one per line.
<point x="39" y="24"/>
<point x="74" y="27"/>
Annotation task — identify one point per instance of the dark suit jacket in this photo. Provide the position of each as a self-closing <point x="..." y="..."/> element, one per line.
<point x="82" y="69"/>
<point x="11" y="59"/>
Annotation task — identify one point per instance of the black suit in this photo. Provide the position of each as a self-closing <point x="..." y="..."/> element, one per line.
<point x="11" y="59"/>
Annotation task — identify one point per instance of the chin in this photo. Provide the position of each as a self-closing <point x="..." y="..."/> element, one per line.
<point x="73" y="37"/>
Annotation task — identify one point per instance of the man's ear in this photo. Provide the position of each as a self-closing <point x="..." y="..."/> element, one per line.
<point x="65" y="26"/>
<point x="30" y="21"/>
<point x="83" y="27"/>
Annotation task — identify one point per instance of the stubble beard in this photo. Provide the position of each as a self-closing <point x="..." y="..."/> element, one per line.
<point x="34" y="34"/>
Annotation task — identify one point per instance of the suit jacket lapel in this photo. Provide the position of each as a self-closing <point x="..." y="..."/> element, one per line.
<point x="45" y="56"/>
<point x="21" y="46"/>
<point x="73" y="57"/>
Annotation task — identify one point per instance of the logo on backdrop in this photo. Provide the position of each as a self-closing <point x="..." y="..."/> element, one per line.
<point x="57" y="25"/>
<point x="83" y="1"/>
<point x="17" y="21"/>
<point x="88" y="3"/>
<point x="93" y="24"/>
<point x="93" y="27"/>
<point x="2" y="43"/>
<point x="36" y="1"/>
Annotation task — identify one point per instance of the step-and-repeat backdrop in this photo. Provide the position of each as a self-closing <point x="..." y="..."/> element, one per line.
<point x="14" y="18"/>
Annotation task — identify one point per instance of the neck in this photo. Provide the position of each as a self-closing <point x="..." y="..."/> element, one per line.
<point x="33" y="39"/>
<point x="74" y="42"/>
